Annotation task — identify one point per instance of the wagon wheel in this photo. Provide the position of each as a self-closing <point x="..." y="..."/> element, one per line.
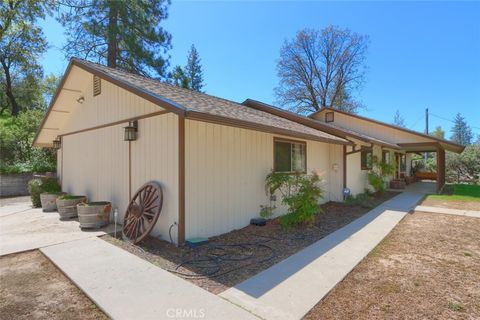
<point x="142" y="212"/>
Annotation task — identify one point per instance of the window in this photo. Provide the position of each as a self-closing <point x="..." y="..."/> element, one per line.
<point x="386" y="157"/>
<point x="329" y="117"/>
<point x="97" y="86"/>
<point x="366" y="159"/>
<point x="289" y="156"/>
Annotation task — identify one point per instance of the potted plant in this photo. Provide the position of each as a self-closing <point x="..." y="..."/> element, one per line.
<point x="94" y="214"/>
<point x="67" y="205"/>
<point x="40" y="185"/>
<point x="49" y="200"/>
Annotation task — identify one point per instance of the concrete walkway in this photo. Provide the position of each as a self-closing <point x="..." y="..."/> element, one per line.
<point x="127" y="287"/>
<point x="457" y="212"/>
<point x="289" y="289"/>
<point x="25" y="228"/>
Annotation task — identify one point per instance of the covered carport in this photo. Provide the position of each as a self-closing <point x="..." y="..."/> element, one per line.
<point x="437" y="147"/>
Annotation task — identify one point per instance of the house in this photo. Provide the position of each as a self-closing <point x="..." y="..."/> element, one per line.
<point x="210" y="155"/>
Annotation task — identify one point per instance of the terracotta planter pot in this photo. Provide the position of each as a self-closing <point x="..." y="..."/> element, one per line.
<point x="94" y="214"/>
<point x="67" y="208"/>
<point x="49" y="201"/>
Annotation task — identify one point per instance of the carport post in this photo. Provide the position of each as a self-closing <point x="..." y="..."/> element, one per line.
<point x="440" y="168"/>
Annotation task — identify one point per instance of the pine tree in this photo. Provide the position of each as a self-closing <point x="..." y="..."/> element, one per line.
<point x="193" y="70"/>
<point x="461" y="132"/>
<point x="439" y="133"/>
<point x="125" y="34"/>
<point x="398" y="120"/>
<point x="178" y="77"/>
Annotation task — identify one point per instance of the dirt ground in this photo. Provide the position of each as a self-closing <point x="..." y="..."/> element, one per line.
<point x="31" y="287"/>
<point x="13" y="200"/>
<point x="452" y="204"/>
<point x="428" y="267"/>
<point x="236" y="256"/>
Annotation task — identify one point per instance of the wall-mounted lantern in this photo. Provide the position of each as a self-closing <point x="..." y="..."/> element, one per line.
<point x="131" y="131"/>
<point x="57" y="143"/>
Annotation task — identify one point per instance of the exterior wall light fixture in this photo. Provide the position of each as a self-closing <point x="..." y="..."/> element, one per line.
<point x="131" y="131"/>
<point x="57" y="143"/>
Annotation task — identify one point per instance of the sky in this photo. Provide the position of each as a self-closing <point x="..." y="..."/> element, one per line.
<point x="421" y="54"/>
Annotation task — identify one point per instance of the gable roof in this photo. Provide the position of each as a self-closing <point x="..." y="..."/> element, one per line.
<point x="197" y="106"/>
<point x="319" y="125"/>
<point x="449" y="145"/>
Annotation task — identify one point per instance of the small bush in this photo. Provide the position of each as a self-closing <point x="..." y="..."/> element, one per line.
<point x="300" y="192"/>
<point x="362" y="199"/>
<point x="376" y="181"/>
<point x="44" y="185"/>
<point x="266" y="211"/>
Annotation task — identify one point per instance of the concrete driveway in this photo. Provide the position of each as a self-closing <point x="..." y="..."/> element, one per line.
<point x="25" y="228"/>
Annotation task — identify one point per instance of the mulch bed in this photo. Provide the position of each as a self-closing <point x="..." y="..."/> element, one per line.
<point x="428" y="267"/>
<point x="230" y="258"/>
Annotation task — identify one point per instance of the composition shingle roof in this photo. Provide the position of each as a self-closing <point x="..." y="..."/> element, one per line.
<point x="200" y="105"/>
<point x="320" y="125"/>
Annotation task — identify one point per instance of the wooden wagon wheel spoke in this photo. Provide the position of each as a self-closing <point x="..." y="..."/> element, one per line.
<point x="142" y="212"/>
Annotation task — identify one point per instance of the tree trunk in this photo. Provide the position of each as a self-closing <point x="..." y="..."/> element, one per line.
<point x="112" y="50"/>
<point x="8" y="89"/>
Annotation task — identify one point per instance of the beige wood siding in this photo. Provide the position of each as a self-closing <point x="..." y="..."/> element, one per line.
<point x="113" y="104"/>
<point x="155" y="158"/>
<point x="225" y="173"/>
<point x="373" y="129"/>
<point x="96" y="165"/>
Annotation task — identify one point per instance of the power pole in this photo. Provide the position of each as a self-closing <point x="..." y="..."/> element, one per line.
<point x="426" y="132"/>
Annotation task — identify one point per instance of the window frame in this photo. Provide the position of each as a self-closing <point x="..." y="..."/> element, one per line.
<point x="366" y="152"/>
<point x="327" y="116"/>
<point x="290" y="141"/>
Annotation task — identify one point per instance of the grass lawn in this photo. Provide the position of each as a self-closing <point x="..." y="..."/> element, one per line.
<point x="459" y="192"/>
<point x="428" y="267"/>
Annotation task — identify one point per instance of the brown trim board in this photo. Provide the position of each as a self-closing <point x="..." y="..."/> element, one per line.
<point x="181" y="180"/>
<point x="116" y="123"/>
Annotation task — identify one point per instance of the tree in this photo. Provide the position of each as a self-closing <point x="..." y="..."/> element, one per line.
<point x="398" y="120"/>
<point x="464" y="167"/>
<point x="193" y="70"/>
<point x="461" y="132"/>
<point x="21" y="44"/>
<point x="321" y="69"/>
<point x="125" y="34"/>
<point x="438" y="132"/>
<point x="178" y="77"/>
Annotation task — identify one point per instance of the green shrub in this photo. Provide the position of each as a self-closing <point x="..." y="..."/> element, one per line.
<point x="300" y="192"/>
<point x="376" y="181"/>
<point x="362" y="199"/>
<point x="266" y="211"/>
<point x="42" y="185"/>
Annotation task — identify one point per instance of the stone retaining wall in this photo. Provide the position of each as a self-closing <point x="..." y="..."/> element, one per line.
<point x="14" y="184"/>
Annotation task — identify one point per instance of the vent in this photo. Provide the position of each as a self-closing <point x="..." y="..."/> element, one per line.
<point x="329" y="116"/>
<point x="97" y="86"/>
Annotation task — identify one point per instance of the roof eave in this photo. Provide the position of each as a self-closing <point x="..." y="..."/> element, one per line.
<point x="454" y="146"/>
<point x="205" y="117"/>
